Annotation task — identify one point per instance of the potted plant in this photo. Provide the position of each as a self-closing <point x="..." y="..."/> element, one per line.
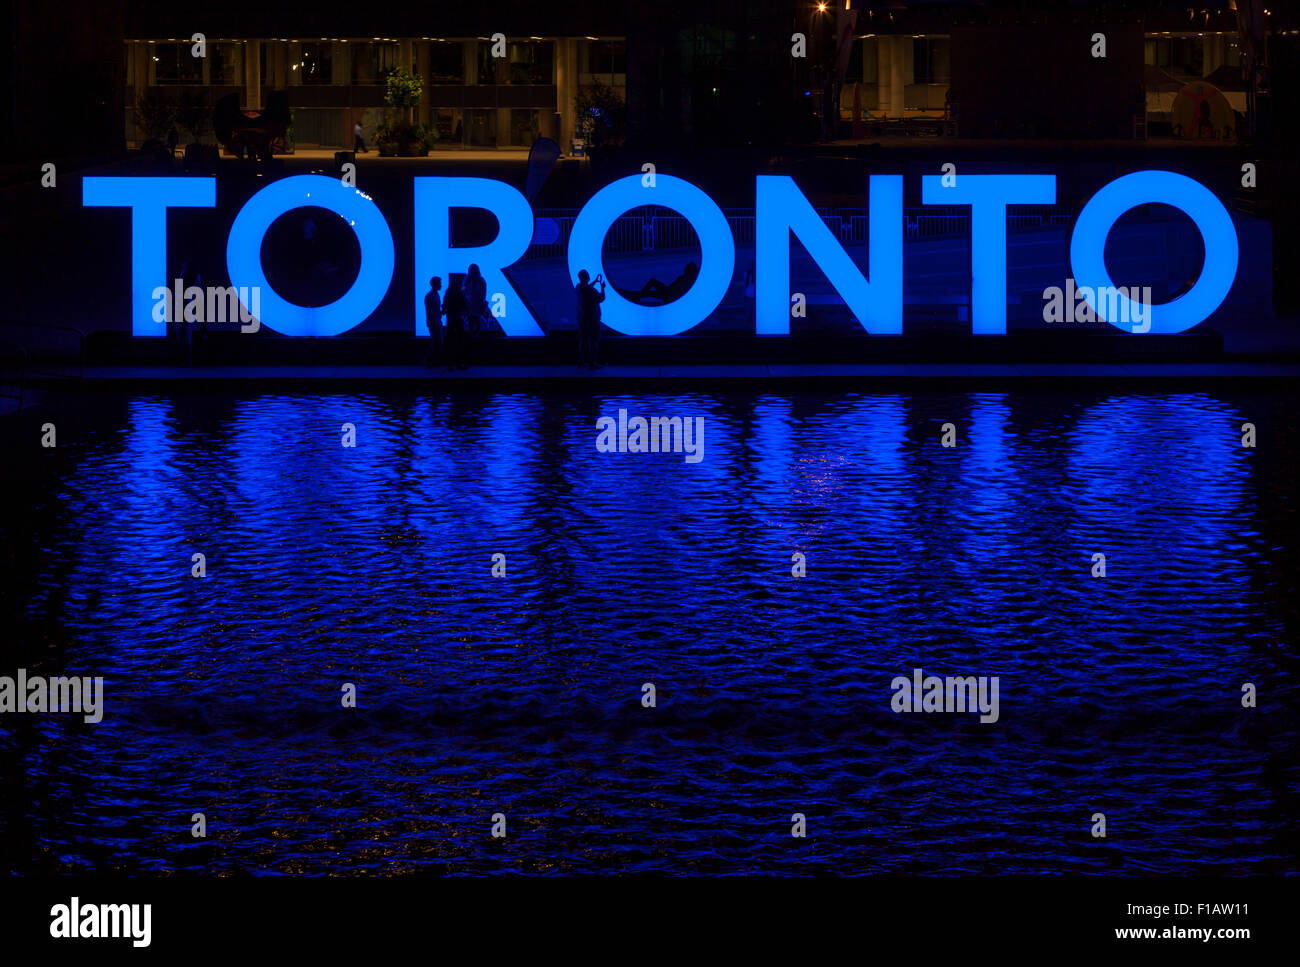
<point x="155" y="115"/>
<point x="388" y="140"/>
<point x="399" y="136"/>
<point x="402" y="139"/>
<point x="604" y="113"/>
<point x="402" y="91"/>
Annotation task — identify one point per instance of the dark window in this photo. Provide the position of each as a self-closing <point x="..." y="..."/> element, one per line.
<point x="487" y="70"/>
<point x="317" y="63"/>
<point x="705" y="47"/>
<point x="446" y="63"/>
<point x="225" y="64"/>
<point x="525" y="126"/>
<point x="530" y="63"/>
<point x="930" y="60"/>
<point x="606" y="57"/>
<point x="481" y="128"/>
<point x="372" y="60"/>
<point x="451" y="130"/>
<point x="1183" y="57"/>
<point x="174" y="64"/>
<point x="870" y="61"/>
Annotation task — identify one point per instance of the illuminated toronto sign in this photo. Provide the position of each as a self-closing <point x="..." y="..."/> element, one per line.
<point x="874" y="296"/>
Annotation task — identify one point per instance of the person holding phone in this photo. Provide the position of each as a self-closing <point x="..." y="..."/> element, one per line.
<point x="589" y="301"/>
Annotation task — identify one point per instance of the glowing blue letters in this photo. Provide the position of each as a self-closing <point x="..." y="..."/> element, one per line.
<point x="988" y="197"/>
<point x="1088" y="244"/>
<point x="434" y="255"/>
<point x="244" y="253"/>
<point x="148" y="199"/>
<point x="780" y="208"/>
<point x="717" y="253"/>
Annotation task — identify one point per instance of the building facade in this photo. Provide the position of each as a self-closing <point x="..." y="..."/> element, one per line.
<point x="471" y="96"/>
<point x="694" y="72"/>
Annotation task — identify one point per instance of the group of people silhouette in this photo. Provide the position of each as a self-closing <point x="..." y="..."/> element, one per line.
<point x="465" y="309"/>
<point x="466" y="312"/>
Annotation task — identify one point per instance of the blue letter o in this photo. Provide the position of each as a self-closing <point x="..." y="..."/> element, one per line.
<point x="1091" y="229"/>
<point x="717" y="253"/>
<point x="244" y="254"/>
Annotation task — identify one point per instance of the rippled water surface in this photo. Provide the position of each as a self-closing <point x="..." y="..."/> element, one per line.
<point x="522" y="695"/>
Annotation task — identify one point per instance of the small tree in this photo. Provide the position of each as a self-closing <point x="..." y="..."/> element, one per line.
<point x="602" y="115"/>
<point x="403" y="90"/>
<point x="155" y="114"/>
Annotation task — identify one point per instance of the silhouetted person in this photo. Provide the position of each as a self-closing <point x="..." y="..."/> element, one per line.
<point x="433" y="320"/>
<point x="358" y="139"/>
<point x="476" y="307"/>
<point x="182" y="331"/>
<point x="454" y="307"/>
<point x="589" y="301"/>
<point x="171" y="142"/>
<point x="654" y="289"/>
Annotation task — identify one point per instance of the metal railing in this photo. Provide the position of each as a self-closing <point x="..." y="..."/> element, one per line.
<point x="13" y="372"/>
<point x="30" y="350"/>
<point x="41" y="343"/>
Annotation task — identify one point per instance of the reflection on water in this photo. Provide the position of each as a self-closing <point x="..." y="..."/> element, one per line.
<point x="522" y="695"/>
